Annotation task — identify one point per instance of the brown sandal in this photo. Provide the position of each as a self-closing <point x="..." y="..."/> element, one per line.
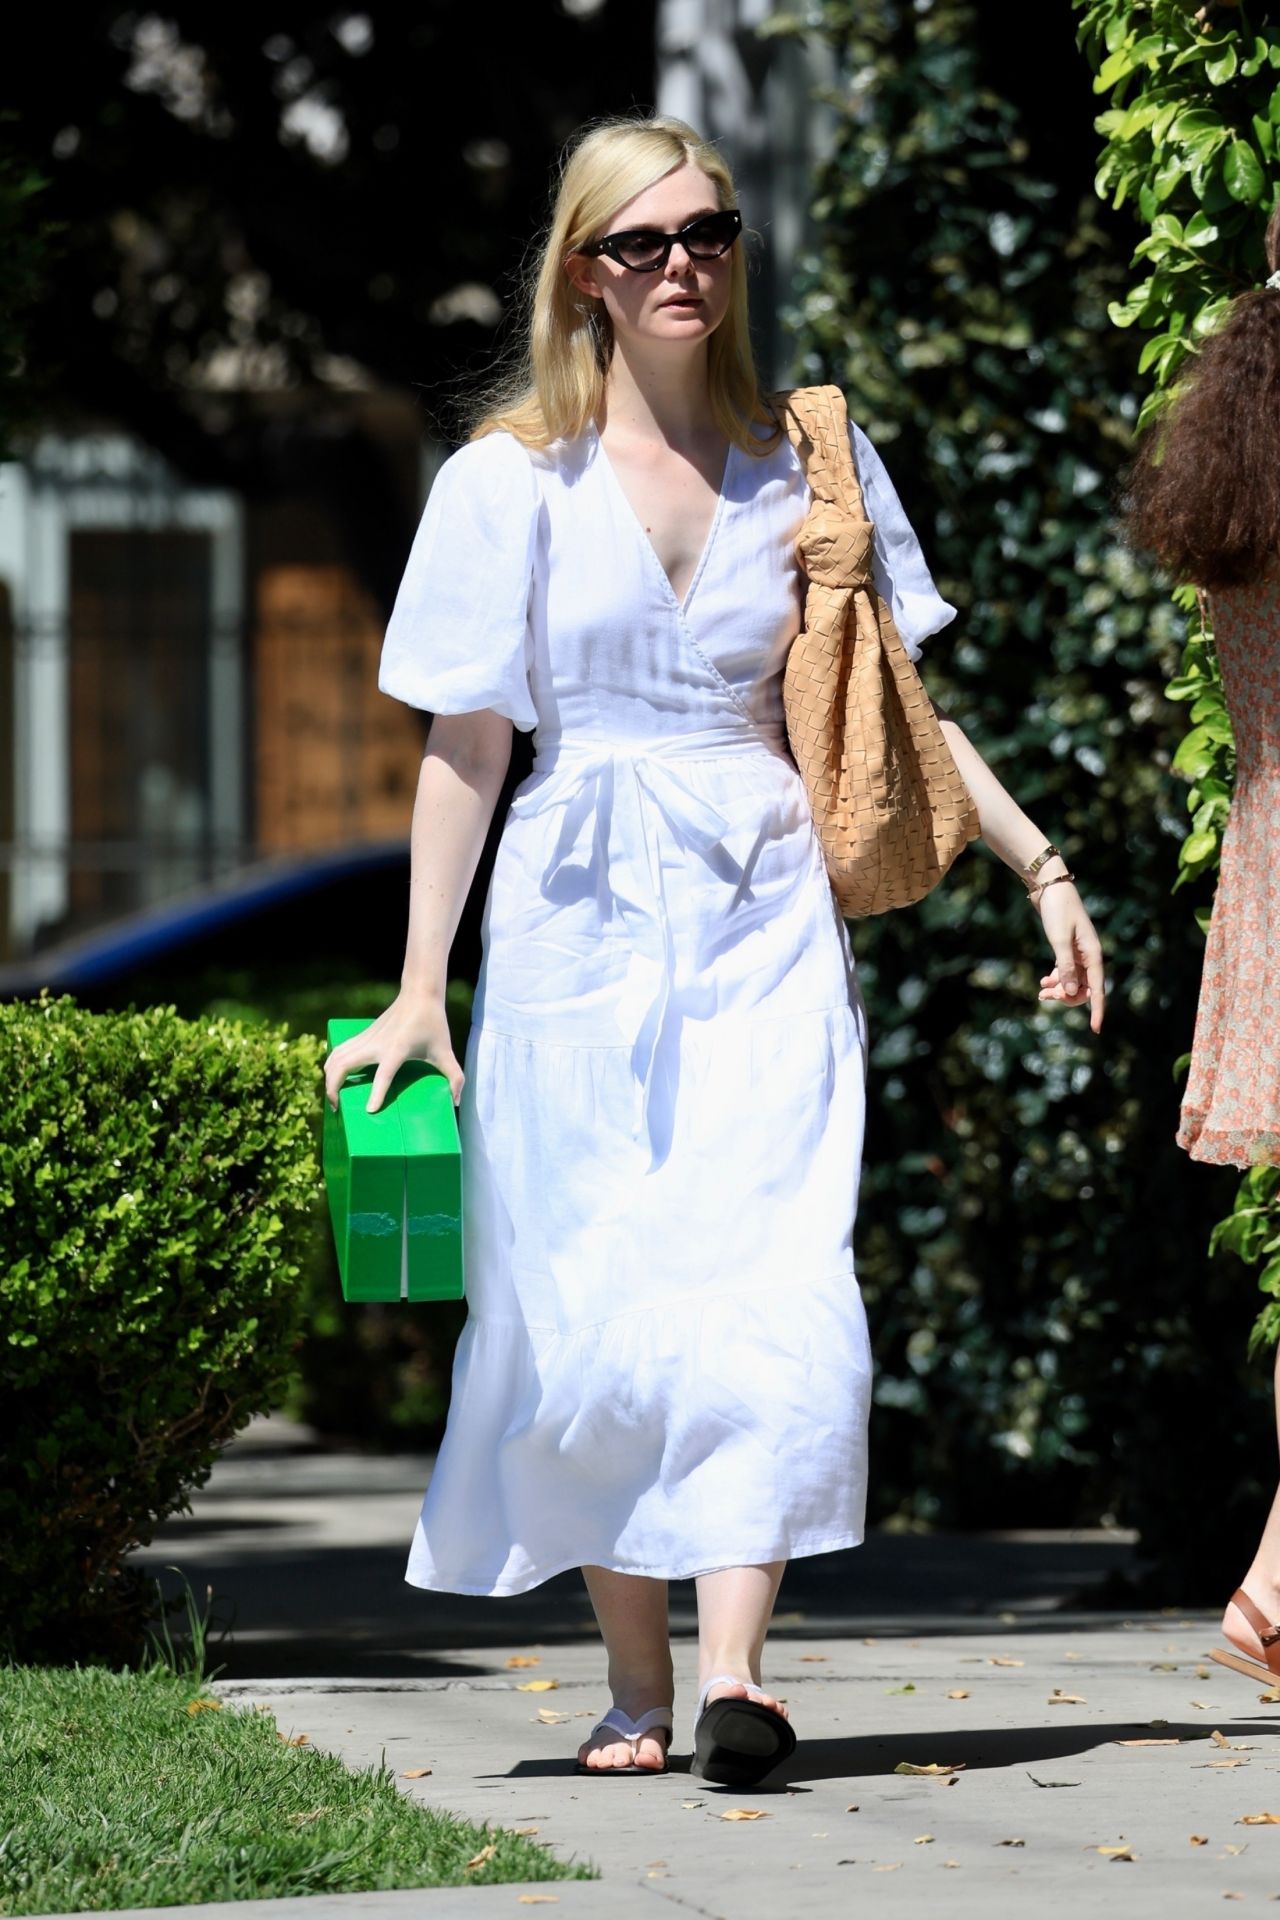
<point x="1268" y="1636"/>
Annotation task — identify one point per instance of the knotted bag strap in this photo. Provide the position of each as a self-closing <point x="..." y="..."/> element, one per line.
<point x="836" y="542"/>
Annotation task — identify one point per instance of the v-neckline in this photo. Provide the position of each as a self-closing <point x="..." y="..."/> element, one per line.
<point x="681" y="606"/>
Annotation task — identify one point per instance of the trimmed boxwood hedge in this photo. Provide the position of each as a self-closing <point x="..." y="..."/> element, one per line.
<point x="158" y="1188"/>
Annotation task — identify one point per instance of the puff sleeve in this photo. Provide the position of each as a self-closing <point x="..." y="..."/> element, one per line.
<point x="458" y="638"/>
<point x="902" y="575"/>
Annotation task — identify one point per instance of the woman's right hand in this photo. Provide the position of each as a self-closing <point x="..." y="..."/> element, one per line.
<point x="413" y="1027"/>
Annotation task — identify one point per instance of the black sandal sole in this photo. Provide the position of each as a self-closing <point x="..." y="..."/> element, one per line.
<point x="738" y="1742"/>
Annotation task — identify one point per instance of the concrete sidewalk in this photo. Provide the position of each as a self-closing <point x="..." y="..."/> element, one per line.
<point x="1045" y="1780"/>
<point x="977" y="1654"/>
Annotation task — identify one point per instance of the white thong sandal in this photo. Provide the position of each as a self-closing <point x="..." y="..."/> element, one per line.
<point x="737" y="1742"/>
<point x="632" y="1731"/>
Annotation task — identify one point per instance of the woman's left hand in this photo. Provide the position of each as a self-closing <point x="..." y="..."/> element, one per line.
<point x="1078" y="974"/>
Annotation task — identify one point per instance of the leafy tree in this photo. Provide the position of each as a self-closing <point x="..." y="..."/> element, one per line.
<point x="1192" y="139"/>
<point x="1029" y="1245"/>
<point x="286" y="207"/>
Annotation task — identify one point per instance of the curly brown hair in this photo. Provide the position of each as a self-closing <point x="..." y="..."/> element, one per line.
<point x="1203" y="493"/>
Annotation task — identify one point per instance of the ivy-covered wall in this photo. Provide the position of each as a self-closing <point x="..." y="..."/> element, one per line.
<point x="1191" y="137"/>
<point x="1054" y="1343"/>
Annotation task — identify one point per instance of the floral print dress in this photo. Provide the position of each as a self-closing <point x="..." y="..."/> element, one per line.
<point x="1231" y="1109"/>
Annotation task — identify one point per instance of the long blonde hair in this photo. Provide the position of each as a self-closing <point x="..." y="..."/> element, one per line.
<point x="557" y="384"/>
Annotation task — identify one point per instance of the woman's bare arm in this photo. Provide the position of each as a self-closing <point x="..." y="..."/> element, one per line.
<point x="461" y="776"/>
<point x="1015" y="838"/>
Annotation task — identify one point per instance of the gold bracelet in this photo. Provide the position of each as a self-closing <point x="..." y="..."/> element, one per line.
<point x="1041" y="859"/>
<point x="1040" y="885"/>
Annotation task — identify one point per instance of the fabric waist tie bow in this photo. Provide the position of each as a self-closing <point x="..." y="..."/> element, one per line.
<point x="617" y="797"/>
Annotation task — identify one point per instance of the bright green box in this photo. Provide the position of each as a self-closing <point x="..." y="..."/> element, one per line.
<point x="394" y="1180"/>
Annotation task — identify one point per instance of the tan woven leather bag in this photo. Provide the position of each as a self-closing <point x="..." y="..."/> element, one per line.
<point x="891" y="809"/>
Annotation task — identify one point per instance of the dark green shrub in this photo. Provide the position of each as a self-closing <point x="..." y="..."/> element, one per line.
<point x="157" y="1187"/>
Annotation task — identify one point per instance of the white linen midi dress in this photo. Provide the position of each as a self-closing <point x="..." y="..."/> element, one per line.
<point x="664" y="1368"/>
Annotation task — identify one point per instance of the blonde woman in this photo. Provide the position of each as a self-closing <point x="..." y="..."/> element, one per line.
<point x="665" y="1371"/>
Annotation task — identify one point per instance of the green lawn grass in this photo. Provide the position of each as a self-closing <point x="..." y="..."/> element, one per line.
<point x="121" y="1790"/>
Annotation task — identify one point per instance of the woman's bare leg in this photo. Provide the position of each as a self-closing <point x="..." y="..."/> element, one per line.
<point x="1262" y="1582"/>
<point x="735" y="1606"/>
<point x="632" y="1614"/>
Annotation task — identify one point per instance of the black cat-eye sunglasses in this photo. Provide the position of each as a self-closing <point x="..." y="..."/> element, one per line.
<point x="645" y="249"/>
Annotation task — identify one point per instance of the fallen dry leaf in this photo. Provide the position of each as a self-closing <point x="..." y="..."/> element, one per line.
<point x="208" y="1706"/>
<point x="1199" y="1839"/>
<point x="536" y="1686"/>
<point x="1203" y="1673"/>
<point x="1011" y="1843"/>
<point x="524" y="1660"/>
<point x="298" y="1740"/>
<point x="933" y="1771"/>
<point x="854" y="1808"/>
<point x="958" y="1693"/>
<point x="909" y="1688"/>
<point x="1146" y="1743"/>
<point x="999" y="1660"/>
<point x="1229" y="1849"/>
<point x="690" y="1803"/>
<point x="1112" y="1853"/>
<point x="550" y="1718"/>
<point x="924" y="1839"/>
<point x="744" y="1813"/>
<point x="525" y="1830"/>
<point x="951" y="1863"/>
<point x="1060" y="1699"/>
<point x="415" y="1773"/>
<point x="871" y="1643"/>
<point x="1071" y="1656"/>
<point x="1202" y="1704"/>
<point x="538" y="1899"/>
<point x="1051" y="1783"/>
<point x="815" y="1656"/>
<point x="1163" y="1666"/>
<point x="1219" y="1738"/>
<point x="1259" y="1820"/>
<point x="1235" y="1762"/>
<point x="890" y="1866"/>
<point x="1270" y="1697"/>
<point x="478" y="1860"/>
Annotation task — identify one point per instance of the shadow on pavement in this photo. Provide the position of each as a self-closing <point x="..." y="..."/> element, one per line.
<point x="875" y="1756"/>
<point x="298" y="1555"/>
